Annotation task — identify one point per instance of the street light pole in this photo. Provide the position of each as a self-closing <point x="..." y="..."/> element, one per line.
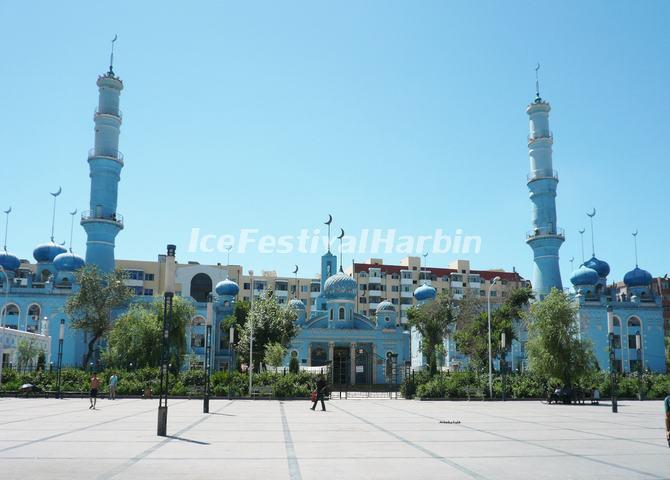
<point x="251" y="335"/>
<point x="503" y="362"/>
<point x="61" y="337"/>
<point x="488" y="303"/>
<point x="610" y="332"/>
<point x="231" y="364"/>
<point x="638" y="347"/>
<point x="3" y="318"/>
<point x="167" y="320"/>
<point x="208" y="353"/>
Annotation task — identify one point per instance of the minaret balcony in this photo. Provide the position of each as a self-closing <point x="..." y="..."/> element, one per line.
<point x="116" y="156"/>
<point x="89" y="216"/>
<point x="542" y="174"/>
<point x="112" y="113"/>
<point x="542" y="232"/>
<point x="546" y="138"/>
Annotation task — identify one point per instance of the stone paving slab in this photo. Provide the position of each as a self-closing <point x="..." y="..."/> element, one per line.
<point x="354" y="439"/>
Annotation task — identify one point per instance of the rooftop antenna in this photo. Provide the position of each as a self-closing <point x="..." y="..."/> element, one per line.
<point x="111" y="58"/>
<point x="73" y="213"/>
<point x="581" y="234"/>
<point x="7" y="212"/>
<point x="425" y="260"/>
<point x="340" y="237"/>
<point x="537" y="82"/>
<point x="328" y="222"/>
<point x="593" y="245"/>
<point x="635" y="242"/>
<point x="295" y="274"/>
<point x="53" y="216"/>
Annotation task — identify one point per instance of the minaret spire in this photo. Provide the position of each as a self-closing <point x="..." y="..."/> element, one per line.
<point x="340" y="237"/>
<point x="635" y="242"/>
<point x="537" y="83"/>
<point x="328" y="222"/>
<point x="295" y="275"/>
<point x="593" y="243"/>
<point x="7" y="212"/>
<point x="581" y="234"/>
<point x="111" y="58"/>
<point x="425" y="260"/>
<point x="72" y="214"/>
<point x="53" y="216"/>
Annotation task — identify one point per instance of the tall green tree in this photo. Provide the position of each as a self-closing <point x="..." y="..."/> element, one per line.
<point x="433" y="319"/>
<point x="90" y="308"/>
<point x="271" y="323"/>
<point x="26" y="352"/>
<point x="237" y="319"/>
<point x="471" y="338"/>
<point x="554" y="348"/>
<point x="274" y="354"/>
<point x="136" y="335"/>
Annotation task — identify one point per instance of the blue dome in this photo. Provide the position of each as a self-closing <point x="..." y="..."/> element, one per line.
<point x="68" y="262"/>
<point x="425" y="292"/>
<point x="46" y="252"/>
<point x="340" y="287"/>
<point x="601" y="267"/>
<point x="9" y="262"/>
<point x="296" y="304"/>
<point x="584" y="276"/>
<point x="227" y="287"/>
<point x="385" y="306"/>
<point x="637" y="278"/>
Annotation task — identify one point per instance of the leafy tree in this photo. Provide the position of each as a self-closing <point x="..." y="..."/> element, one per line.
<point x="41" y="360"/>
<point x="26" y="351"/>
<point x="433" y="319"/>
<point x="294" y="365"/>
<point x="91" y="307"/>
<point x="554" y="348"/>
<point x="238" y="319"/>
<point x="472" y="337"/>
<point x="274" y="354"/>
<point x="272" y="323"/>
<point x="136" y="335"/>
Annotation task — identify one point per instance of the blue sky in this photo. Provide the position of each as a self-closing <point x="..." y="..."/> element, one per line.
<point x="389" y="114"/>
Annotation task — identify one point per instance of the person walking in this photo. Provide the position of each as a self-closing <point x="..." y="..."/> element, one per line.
<point x="113" y="381"/>
<point x="321" y="387"/>
<point x="95" y="385"/>
<point x="666" y="403"/>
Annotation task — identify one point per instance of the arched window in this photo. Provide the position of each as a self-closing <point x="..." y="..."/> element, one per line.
<point x="11" y="314"/>
<point x="201" y="287"/>
<point x="331" y="313"/>
<point x="33" y="320"/>
<point x="198" y="320"/>
<point x="45" y="275"/>
<point x="387" y="319"/>
<point x="340" y="314"/>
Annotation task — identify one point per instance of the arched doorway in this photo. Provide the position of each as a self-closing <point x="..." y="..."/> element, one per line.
<point x="201" y="287"/>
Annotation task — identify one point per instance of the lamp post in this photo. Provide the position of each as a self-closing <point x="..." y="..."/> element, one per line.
<point x="3" y="317"/>
<point x="167" y="320"/>
<point x="208" y="352"/>
<point x="231" y="339"/>
<point x="61" y="338"/>
<point x="251" y="335"/>
<point x="488" y="303"/>
<point x="638" y="347"/>
<point x="610" y="332"/>
<point x="503" y="362"/>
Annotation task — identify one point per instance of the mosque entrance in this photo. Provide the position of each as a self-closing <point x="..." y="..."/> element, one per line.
<point x="363" y="365"/>
<point x="341" y="366"/>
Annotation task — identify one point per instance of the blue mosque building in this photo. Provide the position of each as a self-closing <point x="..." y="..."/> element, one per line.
<point x="358" y="349"/>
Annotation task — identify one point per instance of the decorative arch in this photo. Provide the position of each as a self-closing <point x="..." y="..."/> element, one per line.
<point x="197" y="321"/>
<point x="45" y="275"/>
<point x="10" y="312"/>
<point x="33" y="319"/>
<point x="634" y="321"/>
<point x="616" y="322"/>
<point x="201" y="287"/>
<point x="340" y="313"/>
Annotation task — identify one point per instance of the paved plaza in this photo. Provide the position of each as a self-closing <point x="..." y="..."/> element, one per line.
<point x="367" y="439"/>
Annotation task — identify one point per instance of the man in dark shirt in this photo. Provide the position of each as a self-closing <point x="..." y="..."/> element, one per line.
<point x="666" y="403"/>
<point x="321" y="386"/>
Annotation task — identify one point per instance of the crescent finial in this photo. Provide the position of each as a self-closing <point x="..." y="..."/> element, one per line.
<point x="582" y="230"/>
<point x="635" y="233"/>
<point x="57" y="193"/>
<point x="8" y="211"/>
<point x="329" y="221"/>
<point x="341" y="235"/>
<point x="74" y="212"/>
<point x="593" y="214"/>
<point x="296" y="269"/>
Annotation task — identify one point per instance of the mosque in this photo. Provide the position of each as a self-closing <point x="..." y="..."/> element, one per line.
<point x="360" y="349"/>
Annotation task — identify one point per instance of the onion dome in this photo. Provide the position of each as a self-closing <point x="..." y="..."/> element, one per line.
<point x="46" y="252"/>
<point x="340" y="287"/>
<point x="227" y="287"/>
<point x="425" y="292"/>
<point x="600" y="266"/>
<point x="68" y="262"/>
<point x="584" y="276"/>
<point x="296" y="304"/>
<point x="385" y="306"/>
<point x="9" y="262"/>
<point x="637" y="278"/>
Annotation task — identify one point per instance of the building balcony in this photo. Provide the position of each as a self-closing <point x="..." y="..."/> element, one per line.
<point x="88" y="216"/>
<point x="111" y="112"/>
<point x="116" y="156"/>
<point x="374" y="293"/>
<point x="372" y="279"/>
<point x="545" y="232"/>
<point x="542" y="174"/>
<point x="406" y="294"/>
<point x="406" y="281"/>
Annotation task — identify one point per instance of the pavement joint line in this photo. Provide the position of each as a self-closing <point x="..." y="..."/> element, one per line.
<point x="293" y="465"/>
<point x="57" y="414"/>
<point x="125" y="466"/>
<point x="428" y="452"/>
<point x="535" y="444"/>
<point x="80" y="429"/>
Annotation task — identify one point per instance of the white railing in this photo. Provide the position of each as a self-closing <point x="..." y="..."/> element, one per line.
<point x="114" y="217"/>
<point x="117" y="155"/>
<point x="542" y="173"/>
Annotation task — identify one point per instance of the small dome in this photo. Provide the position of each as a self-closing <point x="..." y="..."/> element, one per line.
<point x="68" y="262"/>
<point x="600" y="266"/>
<point x="340" y="287"/>
<point x="385" y="306"/>
<point x="227" y="287"/>
<point x="425" y="292"/>
<point x="9" y="262"/>
<point x="46" y="252"/>
<point x="637" y="278"/>
<point x="296" y="304"/>
<point x="584" y="276"/>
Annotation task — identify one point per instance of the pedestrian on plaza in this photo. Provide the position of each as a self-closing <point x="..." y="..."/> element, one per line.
<point x="113" y="382"/>
<point x="666" y="403"/>
<point x="95" y="385"/>
<point x="321" y="387"/>
<point x="595" y="396"/>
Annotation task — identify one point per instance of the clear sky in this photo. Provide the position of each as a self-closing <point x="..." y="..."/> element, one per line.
<point x="389" y="114"/>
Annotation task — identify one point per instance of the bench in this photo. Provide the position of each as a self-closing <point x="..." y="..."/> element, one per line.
<point x="261" y="391"/>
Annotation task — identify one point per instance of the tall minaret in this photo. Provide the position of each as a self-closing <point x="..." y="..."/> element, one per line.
<point x="102" y="223"/>
<point x="545" y="238"/>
